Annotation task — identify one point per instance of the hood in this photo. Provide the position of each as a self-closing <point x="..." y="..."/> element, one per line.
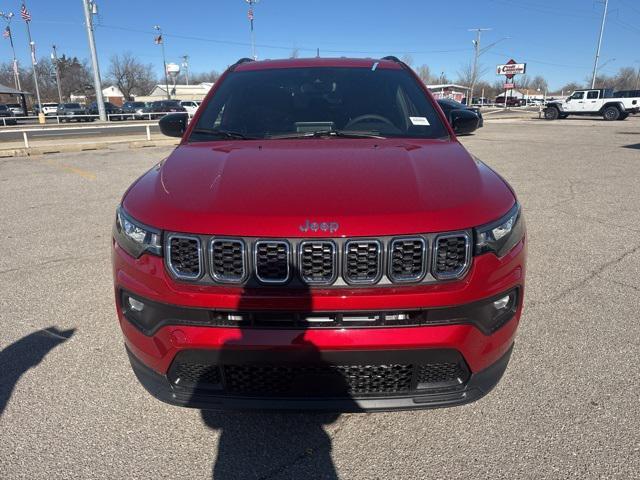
<point x="272" y="188"/>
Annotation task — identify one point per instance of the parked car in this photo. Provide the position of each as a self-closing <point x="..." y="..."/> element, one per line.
<point x="511" y="101"/>
<point x="593" y="102"/>
<point x="17" y="109"/>
<point x="319" y="239"/>
<point x="190" y="106"/>
<point x="449" y="105"/>
<point x="111" y="110"/>
<point x="159" y="108"/>
<point x="133" y="110"/>
<point x="6" y="115"/>
<point x="73" y="111"/>
<point x="47" y="108"/>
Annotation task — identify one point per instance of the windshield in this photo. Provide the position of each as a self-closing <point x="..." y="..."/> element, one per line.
<point x="298" y="102"/>
<point x="72" y="105"/>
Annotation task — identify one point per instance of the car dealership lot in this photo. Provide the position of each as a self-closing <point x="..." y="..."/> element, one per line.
<point x="568" y="405"/>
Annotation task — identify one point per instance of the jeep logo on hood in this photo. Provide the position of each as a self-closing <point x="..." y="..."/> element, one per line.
<point x="330" y="227"/>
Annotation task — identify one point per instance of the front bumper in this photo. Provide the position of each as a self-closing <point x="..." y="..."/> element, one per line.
<point x="484" y="355"/>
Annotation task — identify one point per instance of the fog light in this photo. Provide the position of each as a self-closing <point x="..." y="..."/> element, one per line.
<point x="502" y="303"/>
<point x="235" y="318"/>
<point x="135" y="305"/>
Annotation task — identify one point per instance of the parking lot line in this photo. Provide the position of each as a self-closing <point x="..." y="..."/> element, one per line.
<point x="68" y="168"/>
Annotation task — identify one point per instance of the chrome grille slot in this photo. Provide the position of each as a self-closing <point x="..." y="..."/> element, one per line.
<point x="451" y="256"/>
<point x="407" y="258"/>
<point x="184" y="256"/>
<point x="228" y="260"/>
<point x="362" y="261"/>
<point x="317" y="262"/>
<point x="271" y="259"/>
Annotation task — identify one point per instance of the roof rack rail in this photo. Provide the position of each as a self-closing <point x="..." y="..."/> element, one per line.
<point x="240" y="62"/>
<point x="391" y="58"/>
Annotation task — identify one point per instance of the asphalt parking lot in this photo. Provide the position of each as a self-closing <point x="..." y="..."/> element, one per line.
<point x="568" y="406"/>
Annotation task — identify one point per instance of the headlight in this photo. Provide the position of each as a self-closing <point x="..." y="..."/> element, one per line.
<point x="134" y="237"/>
<point x="502" y="235"/>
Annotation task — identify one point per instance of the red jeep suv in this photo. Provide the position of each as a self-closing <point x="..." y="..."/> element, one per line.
<point x="319" y="240"/>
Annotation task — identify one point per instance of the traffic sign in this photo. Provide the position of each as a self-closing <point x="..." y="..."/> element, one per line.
<point x="509" y="86"/>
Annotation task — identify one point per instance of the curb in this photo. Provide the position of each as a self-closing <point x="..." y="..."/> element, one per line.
<point x="83" y="147"/>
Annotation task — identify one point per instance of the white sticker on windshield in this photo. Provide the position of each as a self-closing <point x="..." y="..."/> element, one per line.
<point x="419" y="121"/>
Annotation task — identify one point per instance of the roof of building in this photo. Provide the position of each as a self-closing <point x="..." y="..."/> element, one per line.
<point x="447" y="85"/>
<point x="11" y="91"/>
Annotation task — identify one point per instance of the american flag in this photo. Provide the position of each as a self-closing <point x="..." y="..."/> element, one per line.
<point x="24" y="13"/>
<point x="158" y="40"/>
<point x="250" y="14"/>
<point x="7" y="32"/>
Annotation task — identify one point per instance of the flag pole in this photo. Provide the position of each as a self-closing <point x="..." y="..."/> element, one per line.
<point x="9" y="34"/>
<point x="160" y="40"/>
<point x="253" y="38"/>
<point x="32" y="45"/>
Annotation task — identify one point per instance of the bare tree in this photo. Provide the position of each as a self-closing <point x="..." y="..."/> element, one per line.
<point x="539" y="83"/>
<point x="295" y="53"/>
<point x="205" y="77"/>
<point x="131" y="76"/>
<point x="424" y="72"/>
<point x="407" y="58"/>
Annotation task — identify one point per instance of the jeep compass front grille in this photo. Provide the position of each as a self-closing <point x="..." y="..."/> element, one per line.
<point x="451" y="256"/>
<point x="185" y="256"/>
<point x="272" y="260"/>
<point x="408" y="258"/>
<point x="318" y="262"/>
<point x="362" y="261"/>
<point x="336" y="262"/>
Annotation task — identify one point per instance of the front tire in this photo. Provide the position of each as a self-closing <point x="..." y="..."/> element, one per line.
<point x="551" y="113"/>
<point x="623" y="116"/>
<point x="611" y="114"/>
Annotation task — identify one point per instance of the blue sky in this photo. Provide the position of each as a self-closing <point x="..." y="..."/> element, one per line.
<point x="557" y="38"/>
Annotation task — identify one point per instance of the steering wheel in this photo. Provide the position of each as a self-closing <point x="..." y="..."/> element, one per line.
<point x="369" y="116"/>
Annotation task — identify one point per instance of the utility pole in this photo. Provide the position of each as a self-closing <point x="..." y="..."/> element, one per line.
<point x="185" y="64"/>
<point x="638" y="76"/>
<point x="54" y="57"/>
<point x="16" y="75"/>
<point x="476" y="47"/>
<point x="26" y="16"/>
<point x="250" y="17"/>
<point x="160" y="41"/>
<point x="595" y="63"/>
<point x="90" y="8"/>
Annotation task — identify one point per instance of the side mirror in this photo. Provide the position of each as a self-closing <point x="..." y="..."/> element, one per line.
<point x="174" y="124"/>
<point x="463" y="121"/>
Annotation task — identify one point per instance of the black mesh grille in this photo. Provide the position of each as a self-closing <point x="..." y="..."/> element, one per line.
<point x="407" y="259"/>
<point x="451" y="256"/>
<point x="185" y="256"/>
<point x="362" y="261"/>
<point x="272" y="261"/>
<point x="317" y="380"/>
<point x="317" y="262"/>
<point x="195" y="375"/>
<point x="227" y="260"/>
<point x="448" y="373"/>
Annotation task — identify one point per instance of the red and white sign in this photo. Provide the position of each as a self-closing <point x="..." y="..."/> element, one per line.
<point x="511" y="68"/>
<point x="508" y="86"/>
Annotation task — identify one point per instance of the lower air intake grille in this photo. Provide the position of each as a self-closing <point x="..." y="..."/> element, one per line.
<point x="362" y="261"/>
<point x="317" y="262"/>
<point x="451" y="256"/>
<point x="185" y="257"/>
<point x="227" y="260"/>
<point x="317" y="380"/>
<point x="441" y="373"/>
<point x="272" y="261"/>
<point x="407" y="259"/>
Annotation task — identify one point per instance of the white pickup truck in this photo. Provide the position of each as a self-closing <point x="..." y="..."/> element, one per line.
<point x="595" y="102"/>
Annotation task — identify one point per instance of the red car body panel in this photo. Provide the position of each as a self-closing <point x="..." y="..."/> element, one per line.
<point x="269" y="188"/>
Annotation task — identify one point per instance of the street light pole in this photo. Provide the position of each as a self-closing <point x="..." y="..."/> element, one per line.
<point x="595" y="63"/>
<point x="16" y="75"/>
<point x="160" y="40"/>
<point x="54" y="57"/>
<point x="90" y="8"/>
<point x="250" y="16"/>
<point x="185" y="64"/>
<point x="476" y="47"/>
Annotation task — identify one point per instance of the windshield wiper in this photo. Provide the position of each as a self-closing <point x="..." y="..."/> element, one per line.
<point x="216" y="132"/>
<point x="329" y="133"/>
